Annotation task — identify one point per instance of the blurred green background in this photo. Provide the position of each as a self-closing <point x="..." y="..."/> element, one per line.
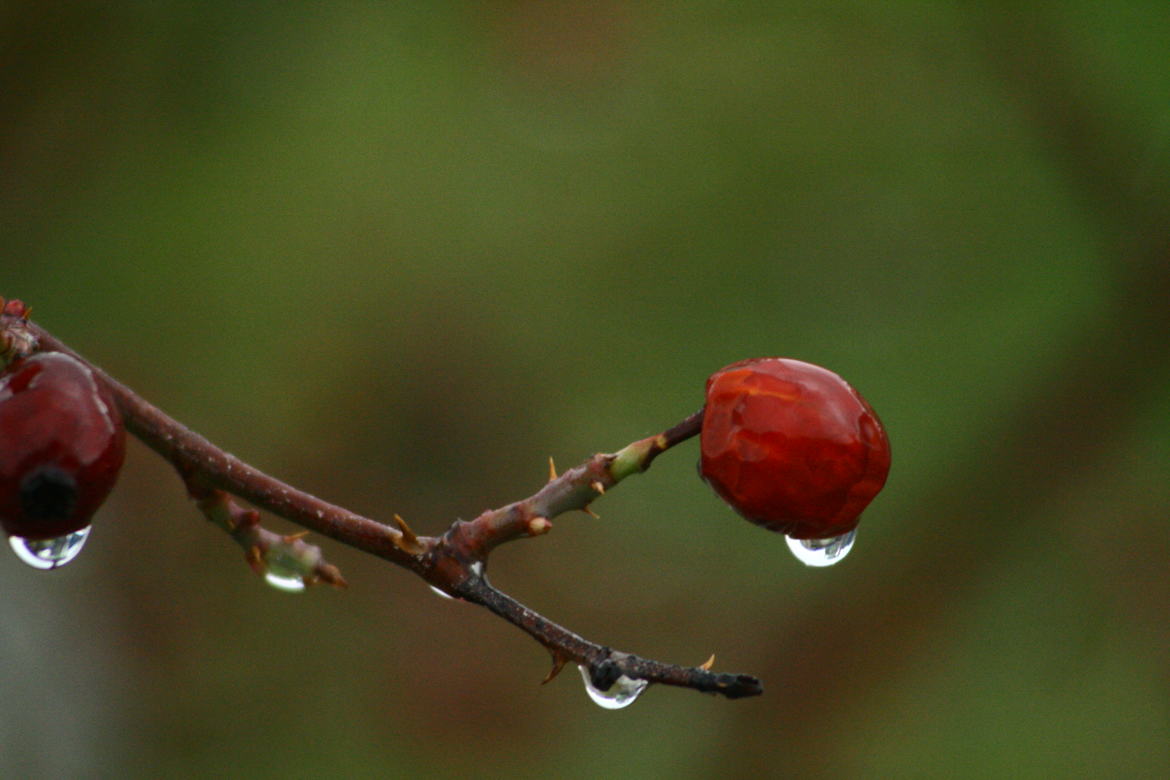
<point x="400" y="254"/>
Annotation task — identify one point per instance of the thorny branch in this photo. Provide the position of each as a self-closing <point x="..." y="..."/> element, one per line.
<point x="453" y="563"/>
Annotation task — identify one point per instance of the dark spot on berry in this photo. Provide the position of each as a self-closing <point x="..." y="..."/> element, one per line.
<point x="48" y="494"/>
<point x="61" y="446"/>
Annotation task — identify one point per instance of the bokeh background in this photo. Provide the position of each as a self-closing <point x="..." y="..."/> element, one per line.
<point x="399" y="254"/>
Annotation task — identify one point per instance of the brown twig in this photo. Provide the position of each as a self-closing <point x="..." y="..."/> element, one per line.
<point x="282" y="559"/>
<point x="576" y="489"/>
<point x="453" y="563"/>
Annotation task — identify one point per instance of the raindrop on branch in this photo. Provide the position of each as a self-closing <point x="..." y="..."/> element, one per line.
<point x="442" y="593"/>
<point x="822" y="552"/>
<point x="622" y="693"/>
<point x="283" y="579"/>
<point x="49" y="553"/>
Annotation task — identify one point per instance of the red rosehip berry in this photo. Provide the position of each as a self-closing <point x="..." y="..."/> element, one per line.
<point x="792" y="447"/>
<point x="61" y="446"/>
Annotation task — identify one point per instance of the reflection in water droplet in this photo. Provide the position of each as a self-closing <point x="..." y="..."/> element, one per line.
<point x="49" y="553"/>
<point x="621" y="694"/>
<point x="282" y="579"/>
<point x="444" y="594"/>
<point x="822" y="552"/>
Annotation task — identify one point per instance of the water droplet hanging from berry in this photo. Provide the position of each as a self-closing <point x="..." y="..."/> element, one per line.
<point x="49" y="554"/>
<point x="822" y="552"/>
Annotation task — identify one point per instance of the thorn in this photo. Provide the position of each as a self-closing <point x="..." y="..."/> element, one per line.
<point x="558" y="663"/>
<point x="552" y="469"/>
<point x="299" y="535"/>
<point x="333" y="577"/>
<point x="405" y="529"/>
<point x="408" y="542"/>
<point x="706" y="665"/>
<point x="590" y="512"/>
<point x="255" y="558"/>
<point x="598" y="487"/>
<point x="539" y="525"/>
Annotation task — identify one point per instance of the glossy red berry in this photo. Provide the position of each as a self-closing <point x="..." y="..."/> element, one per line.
<point x="61" y="446"/>
<point x="792" y="447"/>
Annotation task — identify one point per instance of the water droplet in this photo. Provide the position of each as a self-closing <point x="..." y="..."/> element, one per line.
<point x="444" y="594"/>
<point x="822" y="552"/>
<point x="621" y="694"/>
<point x="49" y="553"/>
<point x="283" y="579"/>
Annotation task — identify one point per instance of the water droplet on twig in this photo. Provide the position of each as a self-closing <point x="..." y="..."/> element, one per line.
<point x="622" y="693"/>
<point x="442" y="593"/>
<point x="289" y="582"/>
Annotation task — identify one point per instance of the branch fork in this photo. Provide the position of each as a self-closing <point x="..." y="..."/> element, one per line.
<point x="453" y="563"/>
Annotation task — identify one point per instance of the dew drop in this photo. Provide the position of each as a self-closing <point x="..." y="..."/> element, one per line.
<point x="822" y="552"/>
<point x="444" y="594"/>
<point x="283" y="579"/>
<point x="621" y="694"/>
<point x="49" y="553"/>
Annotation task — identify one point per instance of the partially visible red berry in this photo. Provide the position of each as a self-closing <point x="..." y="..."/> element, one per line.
<point x="792" y="447"/>
<point x="61" y="446"/>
